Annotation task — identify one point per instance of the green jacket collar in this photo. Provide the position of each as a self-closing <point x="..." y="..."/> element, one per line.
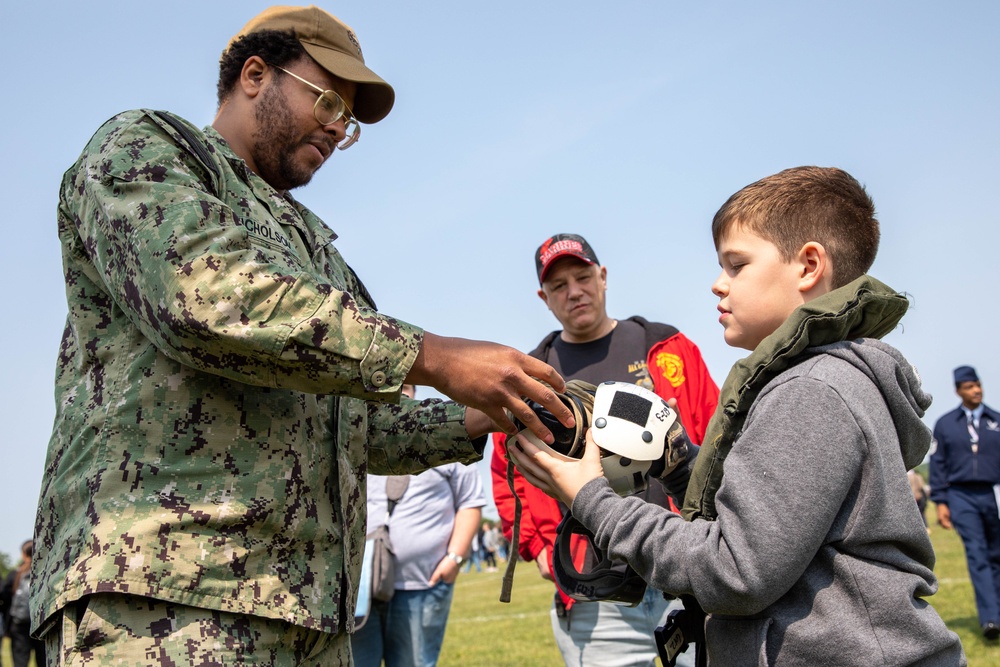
<point x="864" y="308"/>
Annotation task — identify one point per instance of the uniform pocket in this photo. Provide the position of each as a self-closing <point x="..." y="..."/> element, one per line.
<point x="92" y="630"/>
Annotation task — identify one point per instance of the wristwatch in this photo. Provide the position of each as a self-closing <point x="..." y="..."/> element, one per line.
<point x="455" y="557"/>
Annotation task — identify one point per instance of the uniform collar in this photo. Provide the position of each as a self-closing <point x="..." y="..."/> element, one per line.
<point x="976" y="414"/>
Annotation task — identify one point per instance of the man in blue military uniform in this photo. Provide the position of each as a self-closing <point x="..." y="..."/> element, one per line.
<point x="965" y="485"/>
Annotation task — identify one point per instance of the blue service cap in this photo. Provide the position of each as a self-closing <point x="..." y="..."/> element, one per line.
<point x="965" y="374"/>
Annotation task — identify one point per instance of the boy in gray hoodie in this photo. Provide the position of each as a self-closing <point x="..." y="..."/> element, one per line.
<point x="802" y="541"/>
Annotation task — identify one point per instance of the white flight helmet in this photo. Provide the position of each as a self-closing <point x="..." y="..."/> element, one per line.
<point x="630" y="425"/>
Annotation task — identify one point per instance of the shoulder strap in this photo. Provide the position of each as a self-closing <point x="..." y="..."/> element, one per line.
<point x="655" y="331"/>
<point x="542" y="351"/>
<point x="191" y="142"/>
<point x="395" y="487"/>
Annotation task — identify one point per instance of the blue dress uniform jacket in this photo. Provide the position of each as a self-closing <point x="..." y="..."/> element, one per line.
<point x="953" y="460"/>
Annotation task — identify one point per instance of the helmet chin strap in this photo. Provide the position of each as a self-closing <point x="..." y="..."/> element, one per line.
<point x="604" y="580"/>
<point x="579" y="398"/>
<point x="513" y="554"/>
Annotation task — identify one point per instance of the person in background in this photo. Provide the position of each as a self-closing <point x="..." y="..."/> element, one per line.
<point x="435" y="520"/>
<point x="488" y="537"/>
<point x="225" y="380"/>
<point x="920" y="491"/>
<point x="965" y="486"/>
<point x="594" y="347"/>
<point x="501" y="541"/>
<point x="475" y="553"/>
<point x="17" y="619"/>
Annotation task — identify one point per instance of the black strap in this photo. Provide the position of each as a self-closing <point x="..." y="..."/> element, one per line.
<point x="507" y="585"/>
<point x="196" y="146"/>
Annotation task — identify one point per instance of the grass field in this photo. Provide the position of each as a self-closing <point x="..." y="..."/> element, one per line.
<point x="483" y="632"/>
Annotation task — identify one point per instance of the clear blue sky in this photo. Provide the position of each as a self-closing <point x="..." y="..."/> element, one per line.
<point x="627" y="122"/>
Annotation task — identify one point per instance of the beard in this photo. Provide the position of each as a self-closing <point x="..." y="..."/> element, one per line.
<point x="275" y="144"/>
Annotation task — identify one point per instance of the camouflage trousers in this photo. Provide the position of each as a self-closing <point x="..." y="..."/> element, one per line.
<point x="131" y="631"/>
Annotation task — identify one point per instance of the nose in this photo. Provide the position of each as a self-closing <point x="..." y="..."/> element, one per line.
<point x="719" y="287"/>
<point x="337" y="128"/>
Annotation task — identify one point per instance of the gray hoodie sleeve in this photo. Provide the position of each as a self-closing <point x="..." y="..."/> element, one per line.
<point x="786" y="480"/>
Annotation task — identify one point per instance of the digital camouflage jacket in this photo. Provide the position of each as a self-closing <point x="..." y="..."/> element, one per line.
<point x="217" y="390"/>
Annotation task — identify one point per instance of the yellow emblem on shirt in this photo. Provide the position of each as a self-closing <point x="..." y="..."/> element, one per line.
<point x="672" y="368"/>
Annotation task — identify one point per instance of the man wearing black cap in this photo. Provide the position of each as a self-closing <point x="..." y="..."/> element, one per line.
<point x="594" y="347"/>
<point x="965" y="484"/>
<point x="225" y="380"/>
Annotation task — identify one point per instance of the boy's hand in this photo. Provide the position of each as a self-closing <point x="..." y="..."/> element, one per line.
<point x="556" y="477"/>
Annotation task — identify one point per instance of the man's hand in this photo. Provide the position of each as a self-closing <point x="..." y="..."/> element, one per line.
<point x="542" y="561"/>
<point x="491" y="378"/>
<point x="477" y="424"/>
<point x="556" y="477"/>
<point x="944" y="516"/>
<point x="446" y="571"/>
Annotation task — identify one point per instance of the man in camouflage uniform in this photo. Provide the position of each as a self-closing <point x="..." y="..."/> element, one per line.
<point x="225" y="382"/>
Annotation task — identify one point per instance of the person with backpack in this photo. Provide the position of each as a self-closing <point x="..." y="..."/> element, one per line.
<point x="594" y="347"/>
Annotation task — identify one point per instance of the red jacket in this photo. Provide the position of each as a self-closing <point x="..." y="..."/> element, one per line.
<point x="677" y="370"/>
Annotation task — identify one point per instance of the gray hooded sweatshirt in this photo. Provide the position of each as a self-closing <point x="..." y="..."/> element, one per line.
<point x="818" y="555"/>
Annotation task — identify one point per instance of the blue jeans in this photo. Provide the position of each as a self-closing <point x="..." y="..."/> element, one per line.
<point x="406" y="631"/>
<point x="603" y="634"/>
<point x="474" y="559"/>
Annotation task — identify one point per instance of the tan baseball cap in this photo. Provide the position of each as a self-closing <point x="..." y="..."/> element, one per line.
<point x="333" y="45"/>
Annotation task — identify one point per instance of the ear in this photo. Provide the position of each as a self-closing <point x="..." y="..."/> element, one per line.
<point x="543" y="296"/>
<point x="604" y="276"/>
<point x="254" y="76"/>
<point x="815" y="267"/>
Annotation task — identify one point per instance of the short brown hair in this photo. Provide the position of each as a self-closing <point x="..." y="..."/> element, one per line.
<point x="803" y="204"/>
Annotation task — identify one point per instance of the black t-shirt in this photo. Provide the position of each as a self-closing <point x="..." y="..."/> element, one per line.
<point x="619" y="356"/>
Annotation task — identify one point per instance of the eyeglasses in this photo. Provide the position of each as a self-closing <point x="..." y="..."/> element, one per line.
<point x="329" y="108"/>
